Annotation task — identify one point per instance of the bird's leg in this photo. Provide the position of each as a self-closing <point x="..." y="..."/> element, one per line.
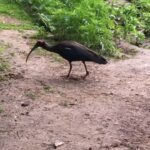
<point x="69" y="69"/>
<point x="87" y="73"/>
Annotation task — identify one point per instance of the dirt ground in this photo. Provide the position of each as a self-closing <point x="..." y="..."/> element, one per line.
<point x="110" y="110"/>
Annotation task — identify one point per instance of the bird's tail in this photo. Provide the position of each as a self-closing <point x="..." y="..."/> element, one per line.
<point x="100" y="60"/>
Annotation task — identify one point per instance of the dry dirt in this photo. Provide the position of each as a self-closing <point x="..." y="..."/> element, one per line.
<point x="110" y="110"/>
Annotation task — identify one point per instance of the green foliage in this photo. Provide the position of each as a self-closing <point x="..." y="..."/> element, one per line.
<point x="128" y="25"/>
<point x="85" y="21"/>
<point x="132" y="21"/>
<point x="93" y="23"/>
<point x="143" y="8"/>
<point x="12" y="9"/>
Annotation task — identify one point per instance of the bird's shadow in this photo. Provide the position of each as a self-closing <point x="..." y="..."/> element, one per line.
<point x="62" y="80"/>
<point x="74" y="78"/>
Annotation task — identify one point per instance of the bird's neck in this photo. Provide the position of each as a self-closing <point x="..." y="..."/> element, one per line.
<point x="49" y="48"/>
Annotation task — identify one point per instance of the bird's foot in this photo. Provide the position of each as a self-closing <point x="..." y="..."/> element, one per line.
<point x="65" y="76"/>
<point x="76" y="78"/>
<point x="84" y="77"/>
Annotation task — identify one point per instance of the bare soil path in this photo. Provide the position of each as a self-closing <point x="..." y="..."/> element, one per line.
<point x="110" y="110"/>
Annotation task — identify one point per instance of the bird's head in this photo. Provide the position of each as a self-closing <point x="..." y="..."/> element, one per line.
<point x="103" y="60"/>
<point x="39" y="43"/>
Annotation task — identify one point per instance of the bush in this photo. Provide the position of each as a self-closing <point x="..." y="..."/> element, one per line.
<point x="93" y="23"/>
<point x="85" y="21"/>
<point x="128" y="24"/>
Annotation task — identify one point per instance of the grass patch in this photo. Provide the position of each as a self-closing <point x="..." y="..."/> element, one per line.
<point x="56" y="57"/>
<point x="31" y="95"/>
<point x="48" y="88"/>
<point x="23" y="26"/>
<point x="14" y="10"/>
<point x="3" y="78"/>
<point x="12" y="54"/>
<point x="97" y="24"/>
<point x="1" y="109"/>
<point x="4" y="65"/>
<point x="42" y="52"/>
<point x="3" y="46"/>
<point x="64" y="103"/>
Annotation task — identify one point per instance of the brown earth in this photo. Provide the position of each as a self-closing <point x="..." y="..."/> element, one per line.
<point x="110" y="110"/>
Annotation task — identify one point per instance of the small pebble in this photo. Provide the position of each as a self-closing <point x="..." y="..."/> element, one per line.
<point x="25" y="104"/>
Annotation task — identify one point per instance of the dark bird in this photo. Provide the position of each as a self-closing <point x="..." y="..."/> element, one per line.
<point x="71" y="51"/>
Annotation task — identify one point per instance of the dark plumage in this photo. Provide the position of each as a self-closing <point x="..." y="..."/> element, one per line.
<point x="71" y="51"/>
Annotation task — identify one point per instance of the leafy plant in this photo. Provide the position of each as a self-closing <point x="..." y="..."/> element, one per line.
<point x="85" y="21"/>
<point x="128" y="24"/>
<point x="93" y="23"/>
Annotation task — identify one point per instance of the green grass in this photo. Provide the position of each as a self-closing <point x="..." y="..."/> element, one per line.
<point x="64" y="103"/>
<point x="42" y="52"/>
<point x="4" y="63"/>
<point x="17" y="27"/>
<point x="47" y="88"/>
<point x="95" y="24"/>
<point x="15" y="11"/>
<point x="2" y="47"/>
<point x="32" y="95"/>
<point x="4" y="67"/>
<point x="1" y="109"/>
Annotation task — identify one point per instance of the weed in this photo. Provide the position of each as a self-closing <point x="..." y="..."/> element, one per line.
<point x="12" y="54"/>
<point x="48" y="88"/>
<point x="56" y="57"/>
<point x="64" y="103"/>
<point x="1" y="109"/>
<point x="31" y="95"/>
<point x="4" y="65"/>
<point x="3" y="46"/>
<point x="3" y="78"/>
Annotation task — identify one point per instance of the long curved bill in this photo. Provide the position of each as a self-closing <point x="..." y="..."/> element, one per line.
<point x="30" y="52"/>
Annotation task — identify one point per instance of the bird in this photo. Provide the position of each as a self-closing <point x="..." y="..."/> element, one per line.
<point x="71" y="51"/>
